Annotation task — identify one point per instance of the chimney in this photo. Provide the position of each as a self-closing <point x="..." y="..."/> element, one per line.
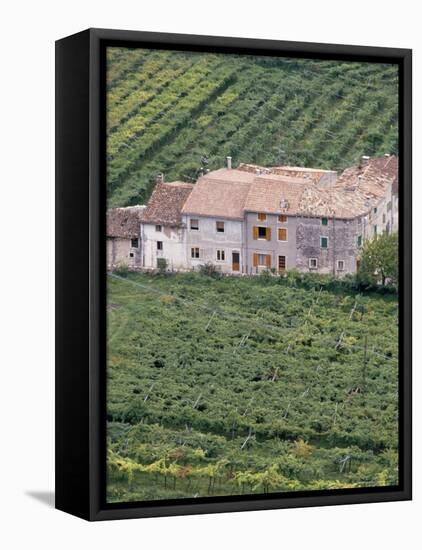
<point x="229" y="163"/>
<point x="159" y="178"/>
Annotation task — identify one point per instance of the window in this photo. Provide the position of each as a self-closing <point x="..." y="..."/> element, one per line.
<point x="194" y="252"/>
<point x="134" y="243"/>
<point x="262" y="232"/>
<point x="383" y="218"/>
<point x="221" y="255"/>
<point x="324" y="221"/>
<point x="281" y="263"/>
<point x="262" y="217"/>
<point x="375" y="210"/>
<point x="324" y="242"/>
<point x="219" y="227"/>
<point x="313" y="263"/>
<point x="282" y="218"/>
<point x="360" y="241"/>
<point x="158" y="228"/>
<point x="388" y="206"/>
<point x="340" y="265"/>
<point x="262" y="260"/>
<point x="194" y="225"/>
<point x="375" y="230"/>
<point x="282" y="234"/>
<point x="159" y="245"/>
<point x="131" y="255"/>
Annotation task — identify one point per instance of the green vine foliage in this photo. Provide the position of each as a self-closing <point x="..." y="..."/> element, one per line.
<point x="165" y="110"/>
<point x="308" y="401"/>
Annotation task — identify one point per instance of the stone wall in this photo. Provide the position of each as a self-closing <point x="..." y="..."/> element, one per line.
<point x="342" y="245"/>
<point x="120" y="252"/>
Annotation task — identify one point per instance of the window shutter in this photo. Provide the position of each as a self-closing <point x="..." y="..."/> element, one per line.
<point x="255" y="232"/>
<point x="268" y="234"/>
<point x="268" y="261"/>
<point x="255" y="260"/>
<point x="282" y="234"/>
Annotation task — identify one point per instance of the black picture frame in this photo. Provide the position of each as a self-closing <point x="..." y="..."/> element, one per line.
<point x="80" y="273"/>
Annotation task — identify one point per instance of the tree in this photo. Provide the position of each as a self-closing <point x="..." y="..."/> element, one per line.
<point x="379" y="261"/>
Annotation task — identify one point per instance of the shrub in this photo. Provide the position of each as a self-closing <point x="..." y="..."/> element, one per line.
<point x="161" y="264"/>
<point x="210" y="270"/>
<point x="122" y="270"/>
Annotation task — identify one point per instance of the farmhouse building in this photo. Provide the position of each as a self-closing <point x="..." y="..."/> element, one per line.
<point x="123" y="237"/>
<point x="163" y="232"/>
<point x="252" y="218"/>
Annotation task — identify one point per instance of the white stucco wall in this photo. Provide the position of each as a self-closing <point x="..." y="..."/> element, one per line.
<point x="174" y="246"/>
<point x="385" y="218"/>
<point x="209" y="240"/>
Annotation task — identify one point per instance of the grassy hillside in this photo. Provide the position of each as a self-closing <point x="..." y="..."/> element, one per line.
<point x="167" y="109"/>
<point x="274" y="391"/>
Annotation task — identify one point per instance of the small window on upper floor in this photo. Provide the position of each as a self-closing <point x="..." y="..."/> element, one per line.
<point x="262" y="217"/>
<point x="282" y="234"/>
<point x="359" y="240"/>
<point x="194" y="224"/>
<point x="134" y="243"/>
<point x="219" y="227"/>
<point x="324" y="221"/>
<point x="158" y="228"/>
<point x="282" y="218"/>
<point x="375" y="210"/>
<point x="324" y="242"/>
<point x="159" y="245"/>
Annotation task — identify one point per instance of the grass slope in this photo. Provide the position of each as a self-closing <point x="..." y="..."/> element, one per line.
<point x="166" y="109"/>
<point x="272" y="392"/>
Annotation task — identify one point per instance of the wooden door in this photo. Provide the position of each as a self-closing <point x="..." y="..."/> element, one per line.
<point x="282" y="263"/>
<point x="235" y="261"/>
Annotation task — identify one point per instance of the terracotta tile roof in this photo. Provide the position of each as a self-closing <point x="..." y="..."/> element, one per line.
<point x="165" y="204"/>
<point x="353" y="194"/>
<point x="269" y="195"/>
<point x="220" y="194"/>
<point x="227" y="193"/>
<point x="124" y="222"/>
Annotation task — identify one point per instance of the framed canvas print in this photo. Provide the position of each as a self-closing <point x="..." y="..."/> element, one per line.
<point x="233" y="274"/>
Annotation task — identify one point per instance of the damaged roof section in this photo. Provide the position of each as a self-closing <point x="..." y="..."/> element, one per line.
<point x="125" y="222"/>
<point x="165" y="204"/>
<point x="353" y="194"/>
<point x="312" y="175"/>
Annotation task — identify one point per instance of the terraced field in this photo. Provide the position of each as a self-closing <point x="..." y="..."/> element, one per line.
<point x="165" y="110"/>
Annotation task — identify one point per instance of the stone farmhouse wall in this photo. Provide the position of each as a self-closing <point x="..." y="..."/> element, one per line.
<point x="121" y="252"/>
<point x="340" y="255"/>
